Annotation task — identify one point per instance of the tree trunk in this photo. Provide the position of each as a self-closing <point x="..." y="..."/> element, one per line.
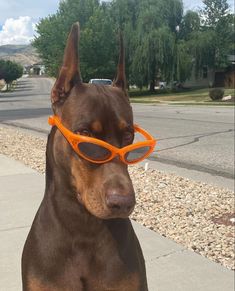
<point x="152" y="86"/>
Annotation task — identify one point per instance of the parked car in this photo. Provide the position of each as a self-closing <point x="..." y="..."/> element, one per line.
<point x="101" y="81"/>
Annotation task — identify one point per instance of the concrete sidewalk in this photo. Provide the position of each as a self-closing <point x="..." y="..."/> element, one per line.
<point x="170" y="267"/>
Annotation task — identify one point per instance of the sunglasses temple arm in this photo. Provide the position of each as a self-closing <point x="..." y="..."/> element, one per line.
<point x="53" y="121"/>
<point x="144" y="133"/>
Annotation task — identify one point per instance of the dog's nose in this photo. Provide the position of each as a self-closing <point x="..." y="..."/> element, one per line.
<point x="120" y="203"/>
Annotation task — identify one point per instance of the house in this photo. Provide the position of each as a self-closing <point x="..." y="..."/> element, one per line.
<point x="214" y="78"/>
<point x="205" y="78"/>
<point x="35" y="69"/>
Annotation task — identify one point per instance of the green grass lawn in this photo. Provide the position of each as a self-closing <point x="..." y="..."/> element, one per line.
<point x="197" y="96"/>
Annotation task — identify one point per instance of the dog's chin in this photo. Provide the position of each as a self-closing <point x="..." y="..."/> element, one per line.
<point x="115" y="216"/>
<point x="110" y="216"/>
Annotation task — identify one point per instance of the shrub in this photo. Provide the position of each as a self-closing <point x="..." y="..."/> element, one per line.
<point x="216" y="93"/>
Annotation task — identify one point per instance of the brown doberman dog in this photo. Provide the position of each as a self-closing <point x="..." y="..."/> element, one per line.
<point x="81" y="238"/>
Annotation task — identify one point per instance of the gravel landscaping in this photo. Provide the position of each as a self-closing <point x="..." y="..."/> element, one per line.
<point x="196" y="215"/>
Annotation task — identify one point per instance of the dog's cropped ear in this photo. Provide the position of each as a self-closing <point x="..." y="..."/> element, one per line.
<point x="120" y="80"/>
<point x="69" y="73"/>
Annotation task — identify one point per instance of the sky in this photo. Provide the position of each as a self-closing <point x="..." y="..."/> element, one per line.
<point x="19" y="17"/>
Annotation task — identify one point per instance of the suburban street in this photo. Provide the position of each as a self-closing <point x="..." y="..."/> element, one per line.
<point x="193" y="142"/>
<point x="191" y="139"/>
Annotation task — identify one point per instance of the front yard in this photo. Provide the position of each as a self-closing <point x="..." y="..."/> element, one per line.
<point x="197" y="96"/>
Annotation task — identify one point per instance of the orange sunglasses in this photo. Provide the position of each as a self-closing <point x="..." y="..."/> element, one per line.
<point x="98" y="151"/>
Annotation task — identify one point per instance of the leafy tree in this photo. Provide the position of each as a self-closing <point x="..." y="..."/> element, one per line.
<point x="213" y="41"/>
<point x="172" y="13"/>
<point x="50" y="42"/>
<point x="160" y="42"/>
<point x="73" y="10"/>
<point x="10" y="71"/>
<point x="202" y="50"/>
<point x="224" y="40"/>
<point x="190" y="23"/>
<point x="155" y="48"/>
<point x="98" y="46"/>
<point x="2" y="69"/>
<point x="213" y="11"/>
<point x="183" y="62"/>
<point x="53" y="30"/>
<point x="207" y="38"/>
<point x="125" y="15"/>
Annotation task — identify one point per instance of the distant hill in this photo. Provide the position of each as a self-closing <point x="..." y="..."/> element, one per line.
<point x="22" y="54"/>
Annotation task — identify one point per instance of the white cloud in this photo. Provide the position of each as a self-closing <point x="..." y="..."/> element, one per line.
<point x="35" y="9"/>
<point x="17" y="31"/>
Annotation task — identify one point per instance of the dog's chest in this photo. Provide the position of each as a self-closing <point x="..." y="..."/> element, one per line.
<point x="98" y="271"/>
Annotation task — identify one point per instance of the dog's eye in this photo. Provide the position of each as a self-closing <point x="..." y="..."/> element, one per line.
<point x="83" y="131"/>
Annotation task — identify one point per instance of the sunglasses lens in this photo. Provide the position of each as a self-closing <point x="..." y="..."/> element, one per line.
<point x="137" y="154"/>
<point x="94" y="151"/>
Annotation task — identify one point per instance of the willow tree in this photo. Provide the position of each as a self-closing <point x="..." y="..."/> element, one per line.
<point x="183" y="62"/>
<point x="125" y="16"/>
<point x="155" y="47"/>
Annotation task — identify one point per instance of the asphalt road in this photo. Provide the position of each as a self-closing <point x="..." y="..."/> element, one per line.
<point x="191" y="139"/>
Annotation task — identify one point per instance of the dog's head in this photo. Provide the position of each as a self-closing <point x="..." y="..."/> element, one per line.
<point x="103" y="112"/>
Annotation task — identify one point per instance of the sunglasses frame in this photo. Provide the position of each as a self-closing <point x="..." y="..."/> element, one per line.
<point x="75" y="139"/>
